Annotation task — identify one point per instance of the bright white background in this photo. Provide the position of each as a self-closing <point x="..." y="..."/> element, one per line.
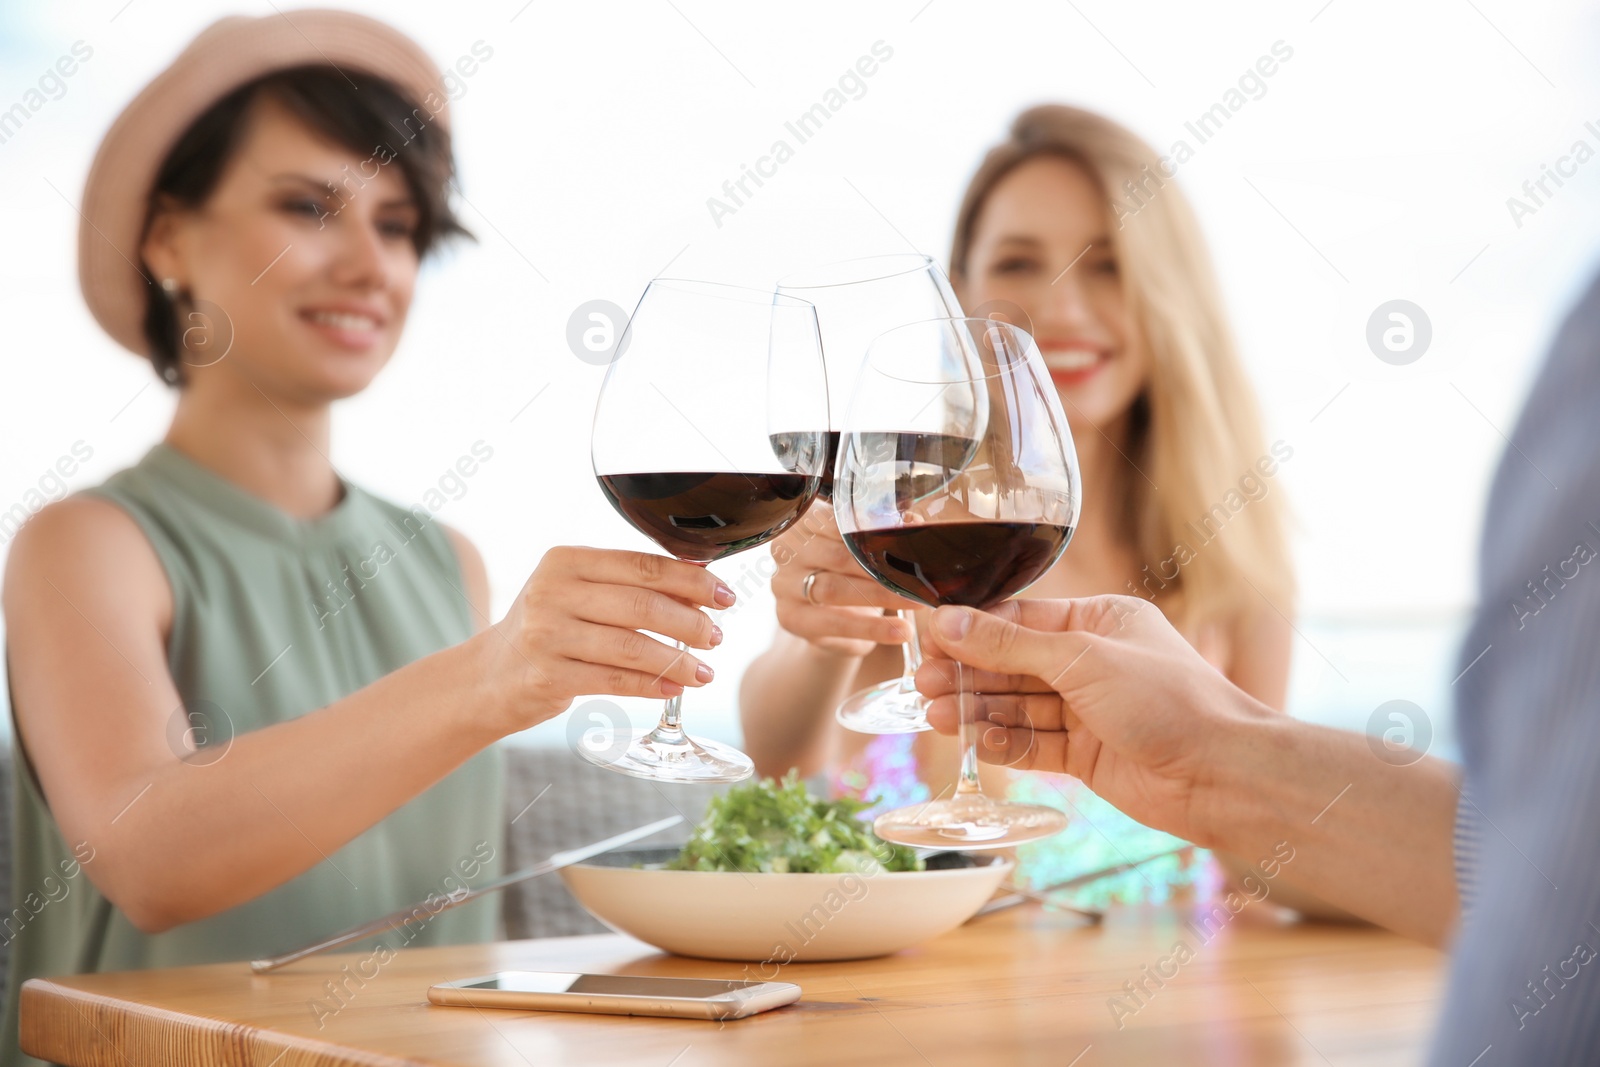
<point x="1376" y="166"/>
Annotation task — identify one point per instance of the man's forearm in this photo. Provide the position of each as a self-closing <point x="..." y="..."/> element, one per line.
<point x="1370" y="837"/>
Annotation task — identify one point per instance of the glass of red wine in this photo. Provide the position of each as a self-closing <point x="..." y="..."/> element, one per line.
<point x="856" y="300"/>
<point x="957" y="483"/>
<point x="710" y="437"/>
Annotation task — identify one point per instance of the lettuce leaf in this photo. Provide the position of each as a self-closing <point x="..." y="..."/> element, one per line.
<point x="778" y="827"/>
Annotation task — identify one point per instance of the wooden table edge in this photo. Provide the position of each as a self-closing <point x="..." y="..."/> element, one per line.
<point x="52" y="1014"/>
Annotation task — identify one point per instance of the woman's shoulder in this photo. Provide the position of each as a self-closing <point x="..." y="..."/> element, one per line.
<point x="80" y="525"/>
<point x="83" y="547"/>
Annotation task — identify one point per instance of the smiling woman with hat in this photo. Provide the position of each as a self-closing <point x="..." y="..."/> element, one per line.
<point x="254" y="703"/>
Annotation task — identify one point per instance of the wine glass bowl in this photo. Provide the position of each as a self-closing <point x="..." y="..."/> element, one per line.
<point x="957" y="484"/>
<point x="710" y="437"/>
<point x="856" y="300"/>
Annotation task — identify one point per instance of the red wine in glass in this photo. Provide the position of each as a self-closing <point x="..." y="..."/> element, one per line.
<point x="702" y="516"/>
<point x="957" y="484"/>
<point x="976" y="564"/>
<point x="713" y="379"/>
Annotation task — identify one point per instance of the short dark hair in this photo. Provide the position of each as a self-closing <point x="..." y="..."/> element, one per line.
<point x="361" y="112"/>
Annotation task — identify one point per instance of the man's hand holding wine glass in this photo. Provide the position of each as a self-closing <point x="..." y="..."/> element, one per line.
<point x="1101" y="688"/>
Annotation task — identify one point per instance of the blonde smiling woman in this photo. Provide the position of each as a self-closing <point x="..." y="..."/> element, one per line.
<point x="1179" y="505"/>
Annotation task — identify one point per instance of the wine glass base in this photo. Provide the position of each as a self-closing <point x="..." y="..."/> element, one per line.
<point x="662" y="756"/>
<point x="968" y="822"/>
<point x="894" y="707"/>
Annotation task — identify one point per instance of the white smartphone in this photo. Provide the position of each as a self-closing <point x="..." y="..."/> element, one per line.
<point x="616" y="994"/>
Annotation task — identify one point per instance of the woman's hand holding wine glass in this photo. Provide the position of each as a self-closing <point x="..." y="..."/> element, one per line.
<point x="824" y="597"/>
<point x="574" y="629"/>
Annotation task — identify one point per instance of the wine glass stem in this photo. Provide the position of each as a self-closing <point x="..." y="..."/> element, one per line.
<point x="967" y="784"/>
<point x="911" y="650"/>
<point x="670" y="728"/>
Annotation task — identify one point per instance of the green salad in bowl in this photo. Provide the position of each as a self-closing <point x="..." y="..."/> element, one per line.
<point x="778" y="827"/>
<point x="775" y="875"/>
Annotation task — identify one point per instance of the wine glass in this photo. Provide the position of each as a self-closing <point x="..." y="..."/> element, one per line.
<point x="856" y="300"/>
<point x="710" y="438"/>
<point x="957" y="483"/>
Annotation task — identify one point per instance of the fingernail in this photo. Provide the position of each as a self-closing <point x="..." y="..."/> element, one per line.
<point x="703" y="674"/>
<point x="723" y="596"/>
<point x="716" y="635"/>
<point x="953" y="623"/>
<point x="671" y="689"/>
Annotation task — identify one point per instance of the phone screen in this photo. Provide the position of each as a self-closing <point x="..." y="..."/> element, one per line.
<point x="608" y="985"/>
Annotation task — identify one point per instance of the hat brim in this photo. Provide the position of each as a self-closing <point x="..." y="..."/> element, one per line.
<point x="226" y="55"/>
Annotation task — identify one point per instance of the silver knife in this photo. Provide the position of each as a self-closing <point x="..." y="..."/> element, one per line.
<point x="1022" y="896"/>
<point x="556" y="861"/>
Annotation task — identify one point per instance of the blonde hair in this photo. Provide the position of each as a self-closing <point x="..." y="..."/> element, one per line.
<point x="1195" y="431"/>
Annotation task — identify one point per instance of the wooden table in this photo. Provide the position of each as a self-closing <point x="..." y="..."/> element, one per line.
<point x="1023" y="986"/>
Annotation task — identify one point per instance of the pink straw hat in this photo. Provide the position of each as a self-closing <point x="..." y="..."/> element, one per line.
<point x="226" y="55"/>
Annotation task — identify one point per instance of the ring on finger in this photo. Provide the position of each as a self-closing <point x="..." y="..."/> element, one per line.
<point x="807" y="588"/>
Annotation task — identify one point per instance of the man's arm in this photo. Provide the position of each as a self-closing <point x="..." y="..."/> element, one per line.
<point x="1369" y="837"/>
<point x="1105" y="690"/>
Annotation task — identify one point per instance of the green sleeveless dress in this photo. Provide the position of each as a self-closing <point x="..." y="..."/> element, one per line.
<point x="273" y="617"/>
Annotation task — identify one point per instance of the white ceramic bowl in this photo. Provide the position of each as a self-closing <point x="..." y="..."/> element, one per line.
<point x="779" y="917"/>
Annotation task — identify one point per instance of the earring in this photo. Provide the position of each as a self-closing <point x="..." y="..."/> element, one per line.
<point x="169" y="286"/>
